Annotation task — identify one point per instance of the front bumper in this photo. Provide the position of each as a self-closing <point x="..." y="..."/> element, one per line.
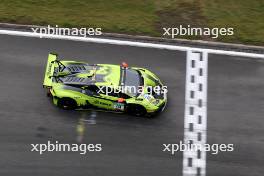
<point x="160" y="109"/>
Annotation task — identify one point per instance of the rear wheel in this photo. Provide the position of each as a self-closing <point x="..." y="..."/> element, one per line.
<point x="136" y="110"/>
<point x="67" y="103"/>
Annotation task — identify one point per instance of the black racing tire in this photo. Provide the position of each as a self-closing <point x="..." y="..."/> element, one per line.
<point x="136" y="110"/>
<point x="67" y="103"/>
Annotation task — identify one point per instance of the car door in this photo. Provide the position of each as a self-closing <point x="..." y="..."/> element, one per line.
<point x="92" y="95"/>
<point x="107" y="98"/>
<point x="114" y="98"/>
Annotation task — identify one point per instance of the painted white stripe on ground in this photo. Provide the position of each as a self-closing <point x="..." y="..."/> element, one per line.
<point x="195" y="118"/>
<point x="130" y="43"/>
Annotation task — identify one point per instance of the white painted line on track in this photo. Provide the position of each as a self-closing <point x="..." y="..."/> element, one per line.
<point x="195" y="117"/>
<point x="130" y="43"/>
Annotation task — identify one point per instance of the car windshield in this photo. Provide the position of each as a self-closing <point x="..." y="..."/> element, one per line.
<point x="132" y="82"/>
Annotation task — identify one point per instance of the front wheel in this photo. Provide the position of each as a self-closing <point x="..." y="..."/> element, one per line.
<point x="67" y="103"/>
<point x="136" y="110"/>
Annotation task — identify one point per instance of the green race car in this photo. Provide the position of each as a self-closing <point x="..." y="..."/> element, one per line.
<point x="79" y="85"/>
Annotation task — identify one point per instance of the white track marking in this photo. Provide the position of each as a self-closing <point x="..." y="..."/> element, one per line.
<point x="130" y="43"/>
<point x="195" y="118"/>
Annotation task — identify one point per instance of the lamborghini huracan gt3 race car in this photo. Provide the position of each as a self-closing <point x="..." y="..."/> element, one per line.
<point x="119" y="88"/>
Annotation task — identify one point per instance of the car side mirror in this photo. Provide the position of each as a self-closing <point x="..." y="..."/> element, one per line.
<point x="121" y="100"/>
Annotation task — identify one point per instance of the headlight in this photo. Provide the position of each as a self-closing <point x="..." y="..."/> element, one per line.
<point x="151" y="99"/>
<point x="155" y="102"/>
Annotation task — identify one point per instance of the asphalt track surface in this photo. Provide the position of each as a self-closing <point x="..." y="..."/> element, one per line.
<point x="131" y="145"/>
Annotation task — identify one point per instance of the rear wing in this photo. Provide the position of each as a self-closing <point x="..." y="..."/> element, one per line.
<point x="52" y="58"/>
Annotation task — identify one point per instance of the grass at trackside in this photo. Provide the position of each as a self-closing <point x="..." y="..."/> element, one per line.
<point x="124" y="16"/>
<point x="144" y="17"/>
<point x="246" y="16"/>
